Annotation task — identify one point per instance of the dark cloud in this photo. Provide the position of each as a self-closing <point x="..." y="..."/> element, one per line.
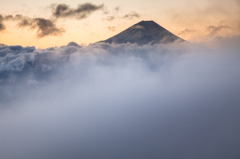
<point x="111" y="28"/>
<point x="2" y="26"/>
<point x="81" y="12"/>
<point x="25" y="22"/>
<point x="1" y="17"/>
<point x="16" y="17"/>
<point x="45" y="27"/>
<point x="131" y="15"/>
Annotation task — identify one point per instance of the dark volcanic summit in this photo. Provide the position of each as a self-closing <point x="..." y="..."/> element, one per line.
<point x="144" y="32"/>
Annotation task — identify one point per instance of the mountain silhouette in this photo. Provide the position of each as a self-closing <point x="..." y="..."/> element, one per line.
<point x="144" y="32"/>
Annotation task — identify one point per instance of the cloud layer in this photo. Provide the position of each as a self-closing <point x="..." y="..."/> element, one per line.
<point x="120" y="101"/>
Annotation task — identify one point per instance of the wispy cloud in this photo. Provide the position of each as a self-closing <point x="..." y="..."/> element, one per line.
<point x="213" y="30"/>
<point x="131" y="15"/>
<point x="110" y="18"/>
<point x="187" y="31"/>
<point x="114" y="14"/>
<point x="111" y="28"/>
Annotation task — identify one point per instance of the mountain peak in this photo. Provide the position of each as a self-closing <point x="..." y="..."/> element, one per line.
<point x="144" y="32"/>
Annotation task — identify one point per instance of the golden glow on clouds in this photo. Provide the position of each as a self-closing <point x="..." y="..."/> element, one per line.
<point x="192" y="20"/>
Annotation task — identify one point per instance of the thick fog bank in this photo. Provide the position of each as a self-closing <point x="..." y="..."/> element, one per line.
<point x="121" y="101"/>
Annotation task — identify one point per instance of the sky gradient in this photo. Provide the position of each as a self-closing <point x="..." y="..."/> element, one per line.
<point x="87" y="22"/>
<point x="165" y="99"/>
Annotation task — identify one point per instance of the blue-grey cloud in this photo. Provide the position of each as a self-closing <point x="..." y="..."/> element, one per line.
<point x="122" y="101"/>
<point x="18" y="63"/>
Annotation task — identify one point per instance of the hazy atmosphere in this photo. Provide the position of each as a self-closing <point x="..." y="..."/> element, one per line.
<point x="119" y="80"/>
<point x="22" y="21"/>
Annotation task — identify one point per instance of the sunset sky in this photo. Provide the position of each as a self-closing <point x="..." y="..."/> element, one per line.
<point x="37" y="23"/>
<point x="143" y="94"/>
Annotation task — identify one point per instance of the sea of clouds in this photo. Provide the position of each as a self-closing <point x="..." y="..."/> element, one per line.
<point x="121" y="101"/>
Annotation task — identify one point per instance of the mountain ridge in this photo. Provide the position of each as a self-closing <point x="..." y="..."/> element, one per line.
<point x="144" y="32"/>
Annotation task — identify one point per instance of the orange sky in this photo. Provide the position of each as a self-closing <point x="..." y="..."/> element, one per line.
<point x="192" y="20"/>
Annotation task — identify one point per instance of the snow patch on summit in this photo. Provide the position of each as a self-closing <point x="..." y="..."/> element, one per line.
<point x="138" y="27"/>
